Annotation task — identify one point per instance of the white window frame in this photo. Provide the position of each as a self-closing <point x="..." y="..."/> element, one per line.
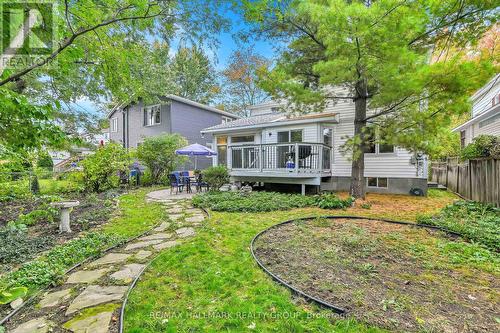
<point x="377" y="178"/>
<point x="149" y="117"/>
<point x="377" y="147"/>
<point x="290" y="135"/>
<point x="113" y="126"/>
<point x="226" y="119"/>
<point x="242" y="143"/>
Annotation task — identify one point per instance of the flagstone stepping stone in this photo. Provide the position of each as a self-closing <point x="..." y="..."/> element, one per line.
<point x="195" y="218"/>
<point x="111" y="258"/>
<point x="55" y="298"/>
<point x="160" y="235"/>
<point x="165" y="245"/>
<point x="38" y="325"/>
<point x="98" y="323"/>
<point x="86" y="276"/>
<point x="175" y="210"/>
<point x="185" y="232"/>
<point x="162" y="227"/>
<point x="175" y="217"/>
<point x="192" y="210"/>
<point x="95" y="295"/>
<point x="138" y="245"/>
<point x="143" y="254"/>
<point x="128" y="273"/>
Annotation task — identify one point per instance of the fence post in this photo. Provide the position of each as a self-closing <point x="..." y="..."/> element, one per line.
<point x="470" y="179"/>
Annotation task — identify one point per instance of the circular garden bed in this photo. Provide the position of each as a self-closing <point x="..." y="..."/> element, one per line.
<point x="395" y="276"/>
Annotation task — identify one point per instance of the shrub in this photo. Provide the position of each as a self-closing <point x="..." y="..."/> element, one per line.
<point x="265" y="201"/>
<point x="331" y="201"/>
<point x="18" y="189"/>
<point x="482" y="146"/>
<point x="158" y="154"/>
<point x="477" y="222"/>
<point x="101" y="169"/>
<point x="216" y="176"/>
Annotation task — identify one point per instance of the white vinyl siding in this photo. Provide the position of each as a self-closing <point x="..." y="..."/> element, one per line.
<point x="391" y="165"/>
<point x="309" y="133"/>
<point x="482" y="102"/>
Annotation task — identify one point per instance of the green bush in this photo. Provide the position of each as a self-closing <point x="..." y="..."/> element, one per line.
<point x="482" y="146"/>
<point x="265" y="201"/>
<point x="477" y="222"/>
<point x="331" y="201"/>
<point x="101" y="169"/>
<point x="216" y="176"/>
<point x="158" y="154"/>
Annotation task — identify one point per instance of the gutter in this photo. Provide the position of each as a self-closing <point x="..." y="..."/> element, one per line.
<point x="482" y="116"/>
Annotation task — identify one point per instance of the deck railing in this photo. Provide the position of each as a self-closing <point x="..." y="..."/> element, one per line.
<point x="281" y="157"/>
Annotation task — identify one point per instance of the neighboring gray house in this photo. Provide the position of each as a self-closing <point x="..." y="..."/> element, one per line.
<point x="131" y="124"/>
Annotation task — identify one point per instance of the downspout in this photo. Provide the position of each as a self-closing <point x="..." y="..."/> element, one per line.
<point x="124" y="127"/>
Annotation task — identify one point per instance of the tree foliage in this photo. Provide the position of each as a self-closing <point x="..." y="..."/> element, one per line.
<point x="241" y="77"/>
<point x="379" y="53"/>
<point x="101" y="170"/>
<point x="193" y="75"/>
<point x="158" y="154"/>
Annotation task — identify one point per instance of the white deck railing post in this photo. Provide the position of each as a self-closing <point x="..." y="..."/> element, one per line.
<point x="296" y="157"/>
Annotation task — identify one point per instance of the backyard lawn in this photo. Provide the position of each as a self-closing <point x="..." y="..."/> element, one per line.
<point x="212" y="284"/>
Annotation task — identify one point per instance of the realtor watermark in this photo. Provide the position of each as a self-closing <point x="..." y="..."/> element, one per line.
<point x="165" y="316"/>
<point x="27" y="32"/>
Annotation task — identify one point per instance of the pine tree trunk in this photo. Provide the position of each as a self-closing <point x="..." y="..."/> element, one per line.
<point x="358" y="185"/>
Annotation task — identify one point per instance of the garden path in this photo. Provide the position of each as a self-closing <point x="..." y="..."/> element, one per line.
<point x="91" y="297"/>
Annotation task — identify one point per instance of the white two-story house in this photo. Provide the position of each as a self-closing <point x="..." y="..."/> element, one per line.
<point x="485" y="113"/>
<point x="273" y="147"/>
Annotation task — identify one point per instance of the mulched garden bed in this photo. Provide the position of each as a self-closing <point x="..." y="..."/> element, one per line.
<point x="393" y="276"/>
<point x="94" y="210"/>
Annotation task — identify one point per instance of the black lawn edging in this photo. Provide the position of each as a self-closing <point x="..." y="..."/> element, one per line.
<point x="316" y="300"/>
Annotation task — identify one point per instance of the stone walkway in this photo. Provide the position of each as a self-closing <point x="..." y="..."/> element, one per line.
<point x="90" y="299"/>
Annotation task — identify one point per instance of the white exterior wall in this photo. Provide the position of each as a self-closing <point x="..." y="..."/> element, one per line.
<point x="309" y="132"/>
<point x="481" y="101"/>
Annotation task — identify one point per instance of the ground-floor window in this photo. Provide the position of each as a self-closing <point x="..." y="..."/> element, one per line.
<point x="377" y="182"/>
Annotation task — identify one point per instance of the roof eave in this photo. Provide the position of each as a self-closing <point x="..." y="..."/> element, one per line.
<point x="272" y="124"/>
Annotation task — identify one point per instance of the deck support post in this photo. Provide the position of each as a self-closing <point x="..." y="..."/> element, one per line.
<point x="303" y="189"/>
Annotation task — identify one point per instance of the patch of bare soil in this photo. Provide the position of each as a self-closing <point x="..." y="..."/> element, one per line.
<point x="393" y="276"/>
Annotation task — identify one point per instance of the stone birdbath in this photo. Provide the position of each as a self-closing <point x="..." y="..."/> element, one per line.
<point x="65" y="208"/>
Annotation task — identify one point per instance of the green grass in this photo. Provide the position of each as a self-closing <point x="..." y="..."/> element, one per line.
<point x="135" y="215"/>
<point x="212" y="284"/>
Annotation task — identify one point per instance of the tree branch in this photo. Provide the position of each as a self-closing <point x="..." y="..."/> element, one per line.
<point x="68" y="41"/>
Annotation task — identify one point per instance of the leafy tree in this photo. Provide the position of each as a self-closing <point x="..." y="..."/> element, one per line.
<point x="193" y="75"/>
<point x="101" y="170"/>
<point x="241" y="88"/>
<point x="378" y="53"/>
<point x="102" y="50"/>
<point x="158" y="154"/>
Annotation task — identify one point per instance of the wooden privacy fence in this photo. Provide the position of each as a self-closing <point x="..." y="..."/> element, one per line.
<point x="477" y="180"/>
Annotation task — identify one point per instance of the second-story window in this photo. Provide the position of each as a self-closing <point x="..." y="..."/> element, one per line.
<point x="114" y="125"/>
<point x="226" y="119"/>
<point x="152" y="115"/>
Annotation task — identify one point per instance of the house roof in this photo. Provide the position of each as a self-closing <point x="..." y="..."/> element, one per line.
<point x="486" y="87"/>
<point x="185" y="101"/>
<point x="267" y="120"/>
<point x="480" y="117"/>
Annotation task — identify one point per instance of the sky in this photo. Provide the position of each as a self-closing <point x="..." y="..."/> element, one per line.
<point x="228" y="43"/>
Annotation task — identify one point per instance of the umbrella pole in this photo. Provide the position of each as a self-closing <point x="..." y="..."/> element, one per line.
<point x="195" y="161"/>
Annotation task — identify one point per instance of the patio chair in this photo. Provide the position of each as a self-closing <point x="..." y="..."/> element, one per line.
<point x="199" y="183"/>
<point x="175" y="182"/>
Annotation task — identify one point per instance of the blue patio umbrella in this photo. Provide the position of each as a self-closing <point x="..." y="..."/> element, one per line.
<point x="195" y="150"/>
